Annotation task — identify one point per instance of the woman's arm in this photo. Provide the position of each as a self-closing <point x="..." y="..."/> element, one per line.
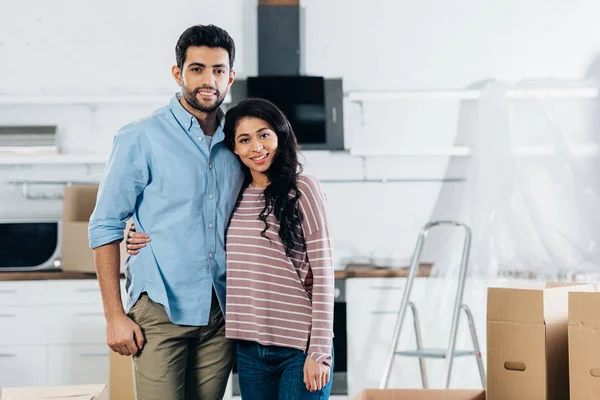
<point x="318" y="242"/>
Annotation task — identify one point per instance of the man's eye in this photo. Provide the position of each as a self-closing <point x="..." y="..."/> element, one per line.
<point x="220" y="71"/>
<point x="195" y="69"/>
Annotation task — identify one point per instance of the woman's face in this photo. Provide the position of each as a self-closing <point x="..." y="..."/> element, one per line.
<point x="255" y="144"/>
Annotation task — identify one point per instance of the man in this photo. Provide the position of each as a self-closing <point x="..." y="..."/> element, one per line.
<point x="174" y="176"/>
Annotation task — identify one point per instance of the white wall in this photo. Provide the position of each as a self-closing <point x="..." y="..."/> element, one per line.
<point x="77" y="47"/>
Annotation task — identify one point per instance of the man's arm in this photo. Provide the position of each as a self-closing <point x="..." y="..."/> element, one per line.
<point x="122" y="334"/>
<point x="126" y="176"/>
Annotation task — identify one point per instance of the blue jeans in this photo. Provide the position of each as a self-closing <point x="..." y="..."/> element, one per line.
<point x="274" y="373"/>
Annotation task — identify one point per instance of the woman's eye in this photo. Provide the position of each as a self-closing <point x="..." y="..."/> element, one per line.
<point x="264" y="135"/>
<point x="244" y="141"/>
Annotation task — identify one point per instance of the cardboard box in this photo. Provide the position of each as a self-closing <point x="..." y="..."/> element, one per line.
<point x="82" y="392"/>
<point x="420" y="394"/>
<point x="121" y="377"/>
<point x="78" y="204"/>
<point x="584" y="345"/>
<point x="527" y="342"/>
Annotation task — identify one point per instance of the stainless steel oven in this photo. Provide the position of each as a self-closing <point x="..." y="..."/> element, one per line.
<point x="339" y="384"/>
<point x="29" y="245"/>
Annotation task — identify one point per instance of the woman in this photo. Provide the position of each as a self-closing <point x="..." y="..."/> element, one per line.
<point x="279" y="265"/>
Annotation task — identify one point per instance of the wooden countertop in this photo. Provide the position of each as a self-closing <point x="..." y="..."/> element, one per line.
<point x="45" y="275"/>
<point x="351" y="272"/>
<point x="367" y="271"/>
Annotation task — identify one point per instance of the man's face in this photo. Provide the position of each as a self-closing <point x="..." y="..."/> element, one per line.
<point x="205" y="77"/>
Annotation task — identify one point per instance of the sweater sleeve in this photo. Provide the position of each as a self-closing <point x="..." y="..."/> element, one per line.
<point x="320" y="258"/>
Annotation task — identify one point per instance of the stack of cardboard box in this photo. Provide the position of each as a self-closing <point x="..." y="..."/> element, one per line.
<point x="543" y="344"/>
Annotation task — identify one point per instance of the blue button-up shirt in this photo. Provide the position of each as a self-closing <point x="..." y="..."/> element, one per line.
<point x="181" y="193"/>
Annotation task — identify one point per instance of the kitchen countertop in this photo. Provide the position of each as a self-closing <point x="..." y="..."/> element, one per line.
<point x="45" y="275"/>
<point x="354" y="271"/>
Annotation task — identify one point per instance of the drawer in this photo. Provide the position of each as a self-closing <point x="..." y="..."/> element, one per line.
<point x="83" y="291"/>
<point x="23" y="366"/>
<point x="382" y="290"/>
<point x="19" y="293"/>
<point x="76" y="325"/>
<point x="22" y="325"/>
<point x="78" y="364"/>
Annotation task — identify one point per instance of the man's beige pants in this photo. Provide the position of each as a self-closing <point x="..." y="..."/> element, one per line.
<point x="180" y="362"/>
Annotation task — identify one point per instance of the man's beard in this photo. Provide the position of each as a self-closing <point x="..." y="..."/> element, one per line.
<point x="192" y="100"/>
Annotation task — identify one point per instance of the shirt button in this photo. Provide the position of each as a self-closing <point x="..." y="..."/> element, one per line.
<point x="210" y="166"/>
<point x="210" y="255"/>
<point x="211" y="196"/>
<point x="210" y="225"/>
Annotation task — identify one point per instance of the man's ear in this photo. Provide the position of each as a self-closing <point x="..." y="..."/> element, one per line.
<point x="176" y="72"/>
<point x="231" y="77"/>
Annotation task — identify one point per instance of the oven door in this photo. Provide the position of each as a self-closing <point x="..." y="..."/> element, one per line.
<point x="27" y="245"/>
<point x="339" y="385"/>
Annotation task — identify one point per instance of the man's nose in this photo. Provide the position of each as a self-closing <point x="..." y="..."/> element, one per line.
<point x="208" y="78"/>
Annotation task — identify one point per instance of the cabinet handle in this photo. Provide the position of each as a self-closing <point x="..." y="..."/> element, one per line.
<point x="7" y="315"/>
<point x="384" y="312"/>
<point x="93" y="354"/>
<point x="87" y="290"/>
<point x="7" y="355"/>
<point x="90" y="314"/>
<point x="3" y="291"/>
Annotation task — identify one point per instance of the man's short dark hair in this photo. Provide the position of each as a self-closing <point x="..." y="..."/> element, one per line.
<point x="204" y="35"/>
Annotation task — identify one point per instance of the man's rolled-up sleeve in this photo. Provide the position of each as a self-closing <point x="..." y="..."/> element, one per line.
<point x="125" y="177"/>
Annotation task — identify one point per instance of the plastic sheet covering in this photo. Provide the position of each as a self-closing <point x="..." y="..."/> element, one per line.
<point x="531" y="197"/>
<point x="532" y="189"/>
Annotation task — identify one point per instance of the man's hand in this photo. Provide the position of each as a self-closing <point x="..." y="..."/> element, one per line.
<point x="315" y="375"/>
<point x="135" y="240"/>
<point x="123" y="335"/>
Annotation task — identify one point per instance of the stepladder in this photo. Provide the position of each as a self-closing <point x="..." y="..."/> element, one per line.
<point x="450" y="352"/>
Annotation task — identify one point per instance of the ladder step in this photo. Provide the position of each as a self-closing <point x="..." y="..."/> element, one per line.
<point x="434" y="353"/>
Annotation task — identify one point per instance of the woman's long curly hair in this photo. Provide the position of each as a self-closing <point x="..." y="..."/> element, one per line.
<point x="282" y="194"/>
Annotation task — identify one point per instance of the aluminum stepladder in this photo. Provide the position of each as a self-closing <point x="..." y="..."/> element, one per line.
<point x="450" y="352"/>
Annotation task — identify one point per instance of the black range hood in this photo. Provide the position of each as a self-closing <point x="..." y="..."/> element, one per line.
<point x="313" y="104"/>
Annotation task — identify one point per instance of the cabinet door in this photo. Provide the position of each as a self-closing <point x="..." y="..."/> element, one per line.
<point x="77" y="324"/>
<point x="23" y="293"/>
<point x="23" y="366"/>
<point x="78" y="364"/>
<point x="373" y="306"/>
<point x="76" y="291"/>
<point x="372" y="313"/>
<point x="22" y="325"/>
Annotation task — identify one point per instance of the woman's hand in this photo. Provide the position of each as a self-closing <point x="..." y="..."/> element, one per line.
<point x="135" y="240"/>
<point x="315" y="375"/>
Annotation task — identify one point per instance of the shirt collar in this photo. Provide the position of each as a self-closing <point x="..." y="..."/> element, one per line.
<point x="186" y="119"/>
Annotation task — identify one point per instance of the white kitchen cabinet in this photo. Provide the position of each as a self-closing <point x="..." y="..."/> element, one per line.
<point x="23" y="366"/>
<point x="84" y="291"/>
<point x="22" y="325"/>
<point x="373" y="305"/>
<point x="23" y="293"/>
<point x="78" y="364"/>
<point x="77" y="324"/>
<point x="52" y="332"/>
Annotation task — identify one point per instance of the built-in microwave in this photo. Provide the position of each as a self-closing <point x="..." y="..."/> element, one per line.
<point x="30" y="245"/>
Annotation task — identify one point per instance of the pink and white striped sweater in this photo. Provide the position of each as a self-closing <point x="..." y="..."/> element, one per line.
<point x="267" y="299"/>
